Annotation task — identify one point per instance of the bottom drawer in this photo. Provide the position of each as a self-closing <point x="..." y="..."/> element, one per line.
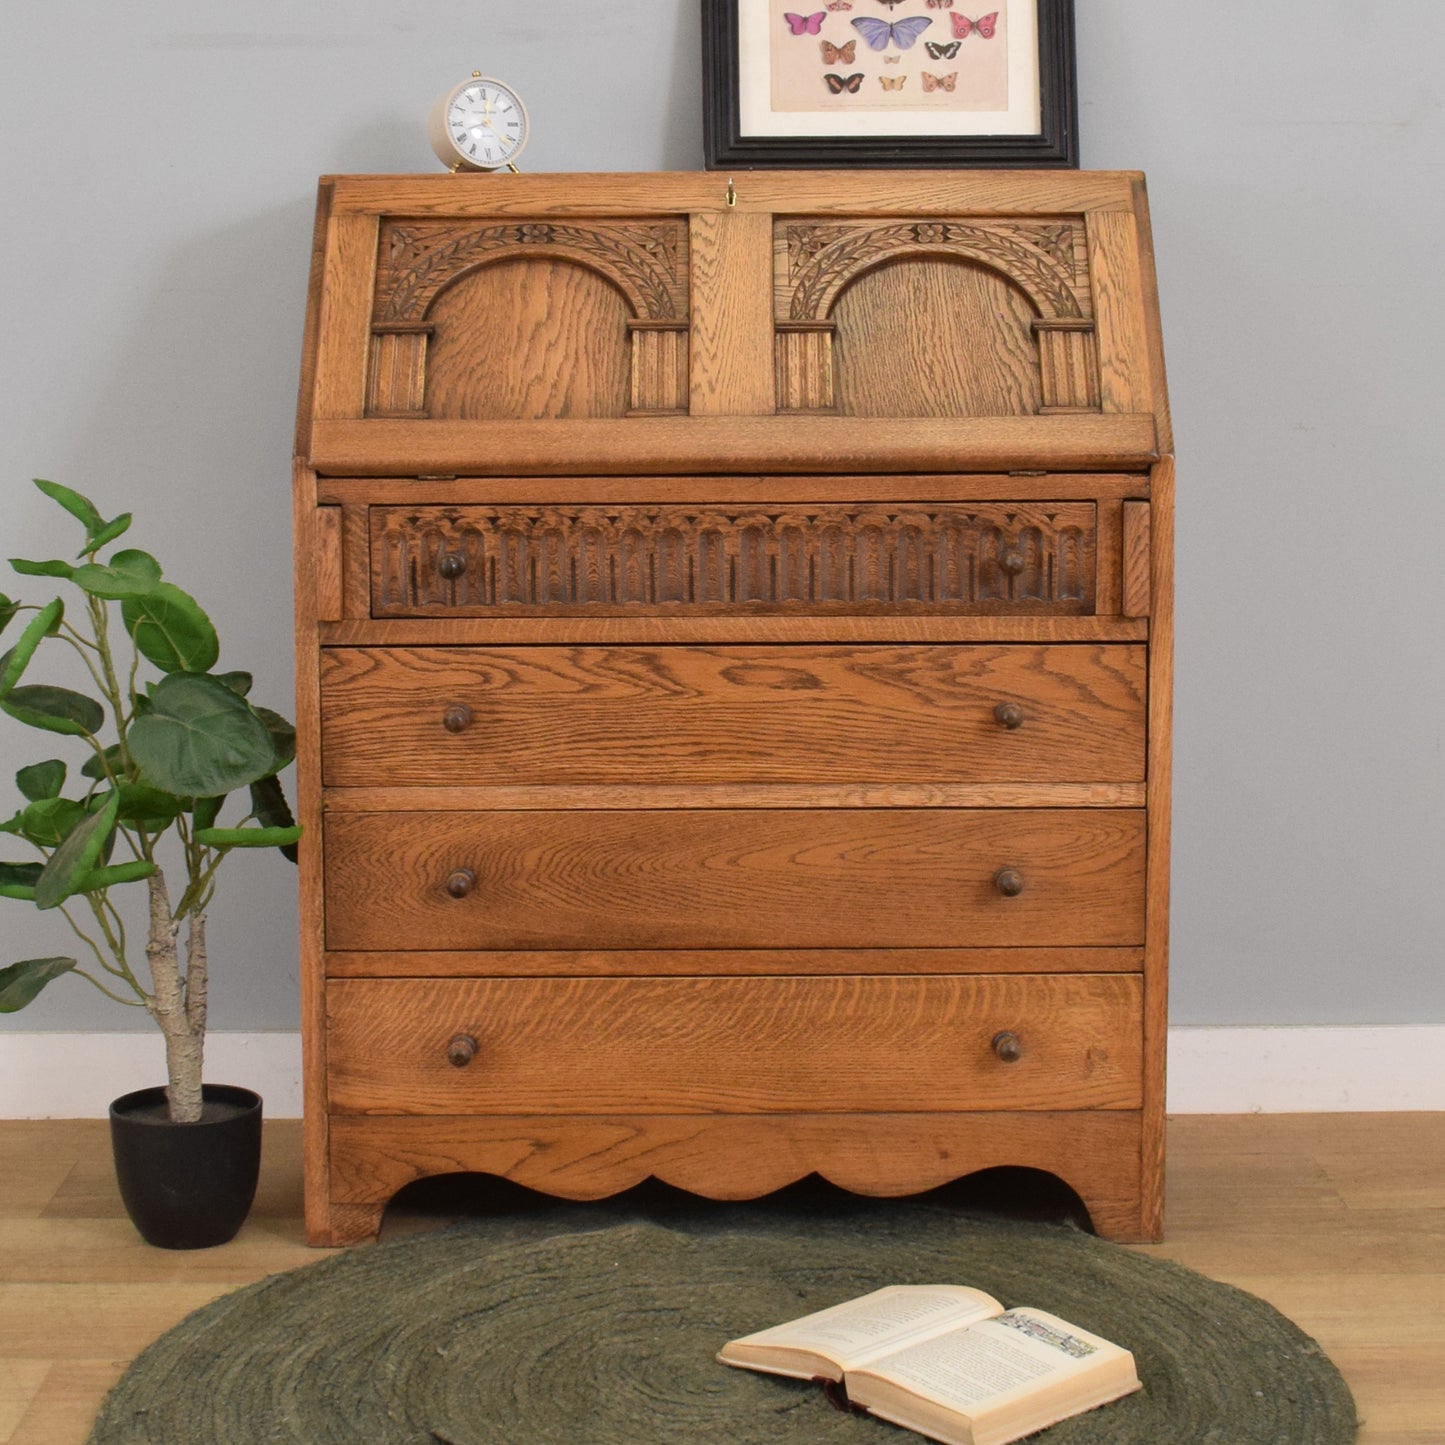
<point x="739" y="1045"/>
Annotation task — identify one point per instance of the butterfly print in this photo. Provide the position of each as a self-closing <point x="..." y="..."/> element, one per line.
<point x="891" y="4"/>
<point x="840" y="83"/>
<point x="839" y="54"/>
<point x="903" y="33"/>
<point x="940" y="4"/>
<point x="805" y="24"/>
<point x="893" y="60"/>
<point x="892" y="82"/>
<point x="942" y="52"/>
<point x="840" y="4"/>
<point x="939" y="82"/>
<point x="963" y="27"/>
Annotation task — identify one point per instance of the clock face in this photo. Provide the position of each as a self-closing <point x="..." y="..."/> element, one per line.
<point x="485" y="123"/>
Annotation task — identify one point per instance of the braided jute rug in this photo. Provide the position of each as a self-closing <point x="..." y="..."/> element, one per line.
<point x="592" y="1326"/>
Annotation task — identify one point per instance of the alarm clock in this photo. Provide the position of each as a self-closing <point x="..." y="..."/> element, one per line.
<point x="479" y="125"/>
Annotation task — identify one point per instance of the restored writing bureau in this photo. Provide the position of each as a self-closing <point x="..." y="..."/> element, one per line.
<point x="733" y="645"/>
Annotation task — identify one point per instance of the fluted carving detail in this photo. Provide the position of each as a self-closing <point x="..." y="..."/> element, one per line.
<point x="983" y="558"/>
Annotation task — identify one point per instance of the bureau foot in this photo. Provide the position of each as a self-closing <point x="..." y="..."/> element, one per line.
<point x="345" y="1224"/>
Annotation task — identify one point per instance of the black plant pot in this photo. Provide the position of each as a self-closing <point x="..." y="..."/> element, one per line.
<point x="187" y="1186"/>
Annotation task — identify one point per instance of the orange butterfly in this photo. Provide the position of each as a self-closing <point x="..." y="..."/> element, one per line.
<point x="939" y="82"/>
<point x="839" y="54"/>
<point x="892" y="82"/>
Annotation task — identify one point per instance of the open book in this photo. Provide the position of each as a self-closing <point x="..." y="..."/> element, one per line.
<point x="947" y="1361"/>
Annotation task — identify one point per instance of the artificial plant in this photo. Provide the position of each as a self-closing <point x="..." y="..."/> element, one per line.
<point x="164" y="754"/>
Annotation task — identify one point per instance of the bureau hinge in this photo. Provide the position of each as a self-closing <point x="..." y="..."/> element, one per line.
<point x="436" y="476"/>
<point x="1028" y="474"/>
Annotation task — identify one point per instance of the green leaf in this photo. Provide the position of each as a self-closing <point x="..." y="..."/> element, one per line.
<point x="171" y="631"/>
<point x="47" y="822"/>
<point x="45" y="623"/>
<point x="12" y="824"/>
<point x="99" y="878"/>
<point x="206" y="811"/>
<point x="53" y="568"/>
<point x="17" y="880"/>
<point x="67" y="867"/>
<point x="55" y="709"/>
<point x="106" y="535"/>
<point x="283" y="735"/>
<point x="8" y="608"/>
<point x="41" y="780"/>
<point x="81" y="508"/>
<point x="22" y="981"/>
<point x="199" y="739"/>
<point x="93" y="768"/>
<point x="149" y="807"/>
<point x="238" y="682"/>
<point x="268" y="803"/>
<point x="127" y="574"/>
<point x="247" y="837"/>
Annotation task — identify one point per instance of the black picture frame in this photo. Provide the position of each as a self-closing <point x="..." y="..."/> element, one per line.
<point x="1056" y="144"/>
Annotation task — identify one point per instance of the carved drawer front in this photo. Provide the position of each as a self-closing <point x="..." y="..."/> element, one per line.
<point x="480" y="561"/>
<point x="573" y="715"/>
<point x="668" y="1046"/>
<point x="724" y="878"/>
<point x="529" y="320"/>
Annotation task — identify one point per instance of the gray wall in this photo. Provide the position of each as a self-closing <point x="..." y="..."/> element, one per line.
<point x="159" y="166"/>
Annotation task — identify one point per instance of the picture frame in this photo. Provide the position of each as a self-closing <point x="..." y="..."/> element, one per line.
<point x="768" y="99"/>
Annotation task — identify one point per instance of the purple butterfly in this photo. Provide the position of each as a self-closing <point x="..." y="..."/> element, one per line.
<point x="805" y="24"/>
<point x="903" y="33"/>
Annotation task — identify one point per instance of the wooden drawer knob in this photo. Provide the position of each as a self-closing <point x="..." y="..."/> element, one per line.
<point x="457" y="718"/>
<point x="461" y="882"/>
<point x="452" y="565"/>
<point x="1009" y="715"/>
<point x="1012" y="563"/>
<point x="1009" y="882"/>
<point x="461" y="1051"/>
<point x="1008" y="1046"/>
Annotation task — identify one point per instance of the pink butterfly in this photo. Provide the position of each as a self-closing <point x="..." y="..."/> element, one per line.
<point x="840" y="4"/>
<point x="805" y="24"/>
<point x="963" y="26"/>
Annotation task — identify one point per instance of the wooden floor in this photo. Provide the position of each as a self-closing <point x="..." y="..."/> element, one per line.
<point x="1338" y="1220"/>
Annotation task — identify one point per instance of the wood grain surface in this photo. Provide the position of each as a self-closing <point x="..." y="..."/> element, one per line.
<point x="723" y="1045"/>
<point x="935" y="338"/>
<point x="547" y="715"/>
<point x="730" y="963"/>
<point x="528" y="339"/>
<point x="719" y="878"/>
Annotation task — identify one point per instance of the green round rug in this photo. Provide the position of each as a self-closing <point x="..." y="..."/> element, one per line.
<point x="593" y="1328"/>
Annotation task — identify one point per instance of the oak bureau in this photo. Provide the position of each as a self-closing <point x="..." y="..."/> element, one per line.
<point x="733" y="651"/>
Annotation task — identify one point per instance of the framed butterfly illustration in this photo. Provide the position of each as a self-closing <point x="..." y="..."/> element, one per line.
<point x="788" y="84"/>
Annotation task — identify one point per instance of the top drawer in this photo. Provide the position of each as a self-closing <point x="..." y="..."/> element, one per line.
<point x="1035" y="558"/>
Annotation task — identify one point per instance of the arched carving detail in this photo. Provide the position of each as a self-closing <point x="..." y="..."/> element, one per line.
<point x="418" y="260"/>
<point x="645" y="260"/>
<point x="822" y="258"/>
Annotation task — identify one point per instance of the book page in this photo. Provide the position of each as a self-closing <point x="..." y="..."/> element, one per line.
<point x="876" y="1324"/>
<point x="1014" y="1353"/>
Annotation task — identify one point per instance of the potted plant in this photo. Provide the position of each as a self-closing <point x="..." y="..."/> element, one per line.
<point x="165" y="746"/>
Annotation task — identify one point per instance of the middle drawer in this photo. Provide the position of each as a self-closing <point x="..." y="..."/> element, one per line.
<point x="478" y="716"/>
<point x="735" y="878"/>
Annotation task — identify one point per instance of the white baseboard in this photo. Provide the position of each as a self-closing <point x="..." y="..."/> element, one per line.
<point x="1211" y="1070"/>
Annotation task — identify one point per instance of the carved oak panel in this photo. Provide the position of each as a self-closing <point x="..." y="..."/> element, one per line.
<point x="980" y="557"/>
<point x="934" y="317"/>
<point x="423" y="265"/>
